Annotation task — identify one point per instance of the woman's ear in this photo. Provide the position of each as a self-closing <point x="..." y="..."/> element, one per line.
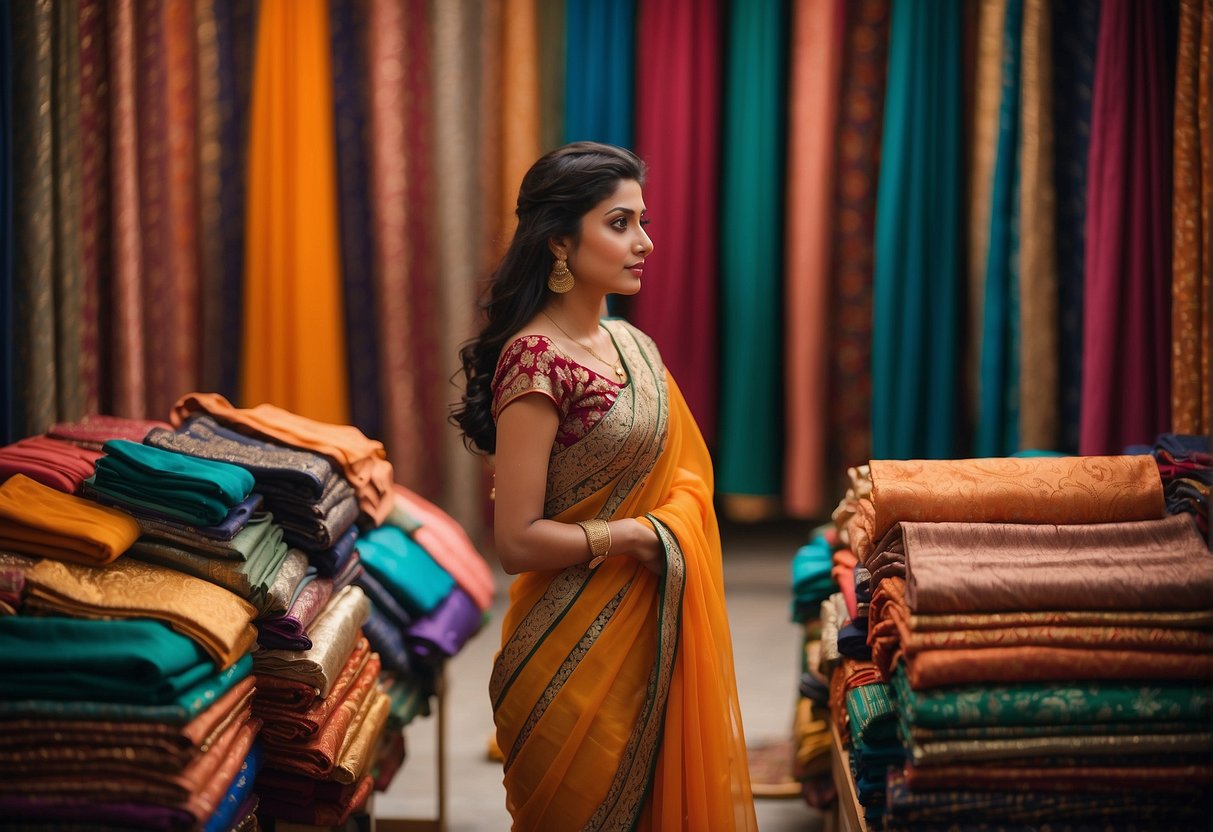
<point x="559" y="246"/>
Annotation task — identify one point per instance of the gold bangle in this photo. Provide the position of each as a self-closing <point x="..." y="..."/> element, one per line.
<point x="598" y="535"/>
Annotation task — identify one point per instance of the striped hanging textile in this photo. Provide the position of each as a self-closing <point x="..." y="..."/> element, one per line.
<point x="1075" y="27"/>
<point x="424" y="303"/>
<point x="1038" y="383"/>
<point x="520" y="104"/>
<point x="813" y="96"/>
<point x="96" y="253"/>
<point x="126" y="347"/>
<point x="350" y="33"/>
<point x="457" y="115"/>
<point x="1126" y="397"/>
<point x="1192" y="244"/>
<point x="990" y="24"/>
<point x="677" y="130"/>
<point x="551" y="49"/>
<point x="859" y="132"/>
<point x="293" y="349"/>
<point x="8" y="393"/>
<point x="489" y="152"/>
<point x="751" y="259"/>
<point x="35" y="372"/>
<point x="998" y="406"/>
<point x="599" y="59"/>
<point x="916" y="308"/>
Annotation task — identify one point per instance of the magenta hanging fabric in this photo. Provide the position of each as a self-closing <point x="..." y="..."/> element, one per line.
<point x="1126" y="396"/>
<point x="677" y="134"/>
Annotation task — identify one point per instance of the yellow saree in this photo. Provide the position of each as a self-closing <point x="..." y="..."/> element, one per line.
<point x="613" y="692"/>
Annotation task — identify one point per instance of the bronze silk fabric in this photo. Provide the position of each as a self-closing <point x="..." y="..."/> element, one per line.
<point x="1003" y="567"/>
<point x="215" y="618"/>
<point x="1091" y="489"/>
<point x="334" y="636"/>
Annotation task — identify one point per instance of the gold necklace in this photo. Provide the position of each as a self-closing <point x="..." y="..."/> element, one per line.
<point x="617" y="366"/>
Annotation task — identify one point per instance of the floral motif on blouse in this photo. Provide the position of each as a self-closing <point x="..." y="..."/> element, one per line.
<point x="534" y="364"/>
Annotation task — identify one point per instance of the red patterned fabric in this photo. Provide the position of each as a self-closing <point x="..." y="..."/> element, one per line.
<point x="533" y="364"/>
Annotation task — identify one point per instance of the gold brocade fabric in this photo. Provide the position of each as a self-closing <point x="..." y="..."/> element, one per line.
<point x="1092" y="489"/>
<point x="215" y="618"/>
<point x="334" y="635"/>
<point x="40" y="521"/>
<point x="358" y="753"/>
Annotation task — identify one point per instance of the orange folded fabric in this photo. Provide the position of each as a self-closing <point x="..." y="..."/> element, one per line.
<point x="40" y="521"/>
<point x="363" y="460"/>
<point x="1061" y="490"/>
<point x="220" y="621"/>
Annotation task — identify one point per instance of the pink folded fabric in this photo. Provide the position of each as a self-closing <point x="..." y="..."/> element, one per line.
<point x="60" y="465"/>
<point x="449" y="545"/>
<point x="94" y="431"/>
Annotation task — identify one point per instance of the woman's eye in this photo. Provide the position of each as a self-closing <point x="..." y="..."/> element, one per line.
<point x="620" y="223"/>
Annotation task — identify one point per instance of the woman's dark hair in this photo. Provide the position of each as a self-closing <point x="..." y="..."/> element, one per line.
<point x="555" y="194"/>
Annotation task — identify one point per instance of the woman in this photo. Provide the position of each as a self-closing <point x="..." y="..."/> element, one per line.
<point x="613" y="692"/>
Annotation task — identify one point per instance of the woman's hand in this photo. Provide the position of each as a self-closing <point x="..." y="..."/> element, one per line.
<point x="636" y="538"/>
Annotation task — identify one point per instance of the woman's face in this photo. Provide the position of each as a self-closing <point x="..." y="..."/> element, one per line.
<point x="609" y="256"/>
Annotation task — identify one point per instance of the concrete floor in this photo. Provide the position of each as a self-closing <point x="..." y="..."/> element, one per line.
<point x="765" y="645"/>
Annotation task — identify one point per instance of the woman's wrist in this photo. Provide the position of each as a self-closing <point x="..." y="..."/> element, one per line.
<point x="633" y="537"/>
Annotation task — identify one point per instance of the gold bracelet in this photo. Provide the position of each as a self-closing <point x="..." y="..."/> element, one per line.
<point x="598" y="535"/>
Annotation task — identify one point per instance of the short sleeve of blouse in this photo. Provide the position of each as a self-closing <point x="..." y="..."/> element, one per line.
<point x="531" y="364"/>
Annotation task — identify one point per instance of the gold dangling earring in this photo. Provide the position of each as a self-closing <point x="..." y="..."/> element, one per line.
<point x="561" y="279"/>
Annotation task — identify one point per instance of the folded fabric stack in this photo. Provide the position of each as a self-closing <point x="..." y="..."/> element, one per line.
<point x="94" y="431"/>
<point x="324" y="715"/>
<point x="38" y="520"/>
<point x="1186" y="466"/>
<point x="122" y="724"/>
<point x="1039" y="620"/>
<point x="313" y="502"/>
<point x="52" y="462"/>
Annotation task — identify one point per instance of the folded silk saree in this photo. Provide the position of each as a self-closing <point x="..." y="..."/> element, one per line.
<point x="613" y="692"/>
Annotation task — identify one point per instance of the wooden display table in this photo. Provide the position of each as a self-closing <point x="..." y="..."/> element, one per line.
<point x="848" y="814"/>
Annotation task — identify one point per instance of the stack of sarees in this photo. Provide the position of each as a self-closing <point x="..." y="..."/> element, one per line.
<point x="1046" y="629"/>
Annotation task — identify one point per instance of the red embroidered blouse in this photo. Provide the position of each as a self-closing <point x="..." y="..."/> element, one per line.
<point x="534" y="364"/>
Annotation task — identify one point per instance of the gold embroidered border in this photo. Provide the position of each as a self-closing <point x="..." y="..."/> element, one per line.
<point x="625" y="445"/>
<point x="538" y="622"/>
<point x="566" y="670"/>
<point x="634" y="777"/>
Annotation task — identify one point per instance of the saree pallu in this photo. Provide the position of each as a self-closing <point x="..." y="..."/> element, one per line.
<point x="613" y="692"/>
<point x="1003" y="490"/>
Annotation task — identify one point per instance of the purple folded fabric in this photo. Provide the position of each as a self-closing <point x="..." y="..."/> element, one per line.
<point x="329" y="562"/>
<point x="445" y="630"/>
<point x="226" y="529"/>
<point x="124" y="815"/>
<point x="289" y="631"/>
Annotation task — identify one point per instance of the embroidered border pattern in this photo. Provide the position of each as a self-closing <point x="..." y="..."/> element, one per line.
<point x="633" y="780"/>
<point x="566" y="669"/>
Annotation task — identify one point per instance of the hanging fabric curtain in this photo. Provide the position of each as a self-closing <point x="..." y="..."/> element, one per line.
<point x="1037" y="383"/>
<point x="1192" y="245"/>
<point x="918" y="220"/>
<point x="1126" y="396"/>
<point x="677" y="135"/>
<point x="1075" y="29"/>
<point x="520" y="102"/>
<point x="859" y="131"/>
<point x="600" y="42"/>
<point x="813" y="95"/>
<point x="752" y="193"/>
<point x="294" y="348"/>
<point x="349" y="24"/>
<point x="551" y="51"/>
<point x="8" y="398"/>
<point x="998" y="406"/>
<point x="991" y="16"/>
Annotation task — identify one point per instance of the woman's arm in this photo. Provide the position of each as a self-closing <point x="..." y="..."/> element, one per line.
<point x="526" y="542"/>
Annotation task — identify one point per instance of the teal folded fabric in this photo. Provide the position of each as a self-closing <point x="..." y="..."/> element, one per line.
<point x="135" y="661"/>
<point x="873" y="716"/>
<point x="405" y="569"/>
<point x="181" y="710"/>
<point x="198" y="491"/>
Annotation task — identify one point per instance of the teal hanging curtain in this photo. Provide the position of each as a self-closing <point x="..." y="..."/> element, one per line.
<point x="599" y="59"/>
<point x="750" y="461"/>
<point x="998" y="406"/>
<point x="916" y="303"/>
